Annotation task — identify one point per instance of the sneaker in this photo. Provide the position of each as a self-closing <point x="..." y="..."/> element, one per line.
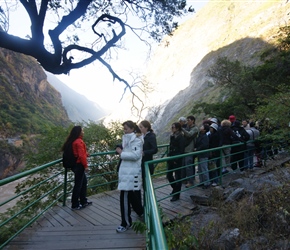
<point x="121" y="229"/>
<point x="87" y="204"/>
<point x="77" y="208"/>
<point x="214" y="184"/>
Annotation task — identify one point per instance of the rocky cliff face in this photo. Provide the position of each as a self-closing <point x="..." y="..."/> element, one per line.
<point x="11" y="159"/>
<point x="28" y="103"/>
<point x="236" y="29"/>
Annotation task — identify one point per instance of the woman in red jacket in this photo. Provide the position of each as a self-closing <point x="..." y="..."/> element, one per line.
<point x="79" y="199"/>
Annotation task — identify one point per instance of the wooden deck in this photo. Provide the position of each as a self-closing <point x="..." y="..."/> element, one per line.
<point x="94" y="227"/>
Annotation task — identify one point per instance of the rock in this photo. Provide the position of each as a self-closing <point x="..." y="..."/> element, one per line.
<point x="201" y="200"/>
<point x="236" y="195"/>
<point x="228" y="239"/>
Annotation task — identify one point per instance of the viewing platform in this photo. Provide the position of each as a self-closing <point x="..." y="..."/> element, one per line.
<point x="94" y="227"/>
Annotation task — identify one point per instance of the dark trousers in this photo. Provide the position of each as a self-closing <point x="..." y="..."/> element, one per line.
<point x="128" y="199"/>
<point x="172" y="169"/>
<point x="79" y="194"/>
<point x="238" y="157"/>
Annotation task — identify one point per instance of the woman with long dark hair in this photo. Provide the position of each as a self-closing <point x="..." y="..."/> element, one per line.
<point x="75" y="140"/>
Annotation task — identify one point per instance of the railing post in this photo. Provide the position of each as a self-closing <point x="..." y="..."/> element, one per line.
<point x="64" y="187"/>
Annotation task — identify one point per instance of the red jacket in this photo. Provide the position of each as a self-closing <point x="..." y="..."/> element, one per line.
<point x="80" y="151"/>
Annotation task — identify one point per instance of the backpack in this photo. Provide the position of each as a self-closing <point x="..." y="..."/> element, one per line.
<point x="68" y="158"/>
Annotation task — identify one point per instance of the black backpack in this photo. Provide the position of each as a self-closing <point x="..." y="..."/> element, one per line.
<point x="68" y="158"/>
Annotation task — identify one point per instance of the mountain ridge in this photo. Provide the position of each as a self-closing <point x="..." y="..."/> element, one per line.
<point x="78" y="107"/>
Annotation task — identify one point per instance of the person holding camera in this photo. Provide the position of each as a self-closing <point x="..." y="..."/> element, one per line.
<point x="130" y="174"/>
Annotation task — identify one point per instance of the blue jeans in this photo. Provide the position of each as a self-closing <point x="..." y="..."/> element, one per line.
<point x="226" y="160"/>
<point x="190" y="168"/>
<point x="203" y="171"/>
<point x="249" y="157"/>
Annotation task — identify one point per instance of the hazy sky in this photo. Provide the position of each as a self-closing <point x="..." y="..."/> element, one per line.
<point x="94" y="81"/>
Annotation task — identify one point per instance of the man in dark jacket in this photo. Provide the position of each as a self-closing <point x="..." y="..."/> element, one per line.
<point x="202" y="143"/>
<point x="238" y="152"/>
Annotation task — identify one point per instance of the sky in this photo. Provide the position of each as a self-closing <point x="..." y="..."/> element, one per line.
<point x="95" y="81"/>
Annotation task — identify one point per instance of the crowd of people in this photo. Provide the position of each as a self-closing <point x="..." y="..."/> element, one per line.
<point x="139" y="145"/>
<point x="188" y="137"/>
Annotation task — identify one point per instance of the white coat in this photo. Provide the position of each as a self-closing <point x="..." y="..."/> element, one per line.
<point x="130" y="175"/>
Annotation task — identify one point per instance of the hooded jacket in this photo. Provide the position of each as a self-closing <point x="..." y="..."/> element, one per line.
<point x="130" y="176"/>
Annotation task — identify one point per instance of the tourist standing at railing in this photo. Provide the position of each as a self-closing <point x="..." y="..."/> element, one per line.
<point x="214" y="142"/>
<point x="215" y="121"/>
<point x="227" y="135"/>
<point x="254" y="135"/>
<point x="176" y="147"/>
<point x="149" y="146"/>
<point x="183" y="121"/>
<point x="190" y="134"/>
<point x="238" y="152"/>
<point x="202" y="143"/>
<point x="130" y="174"/>
<point x="245" y="125"/>
<point x="79" y="194"/>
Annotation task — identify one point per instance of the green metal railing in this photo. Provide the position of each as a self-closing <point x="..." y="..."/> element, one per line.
<point x="42" y="187"/>
<point x="46" y="185"/>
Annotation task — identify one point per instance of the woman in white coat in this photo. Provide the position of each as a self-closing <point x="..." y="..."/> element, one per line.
<point x="130" y="174"/>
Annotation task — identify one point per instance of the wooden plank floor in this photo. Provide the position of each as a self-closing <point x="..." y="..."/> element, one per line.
<point x="95" y="226"/>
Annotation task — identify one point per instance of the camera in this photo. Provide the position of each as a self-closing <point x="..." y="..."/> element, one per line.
<point x="118" y="146"/>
